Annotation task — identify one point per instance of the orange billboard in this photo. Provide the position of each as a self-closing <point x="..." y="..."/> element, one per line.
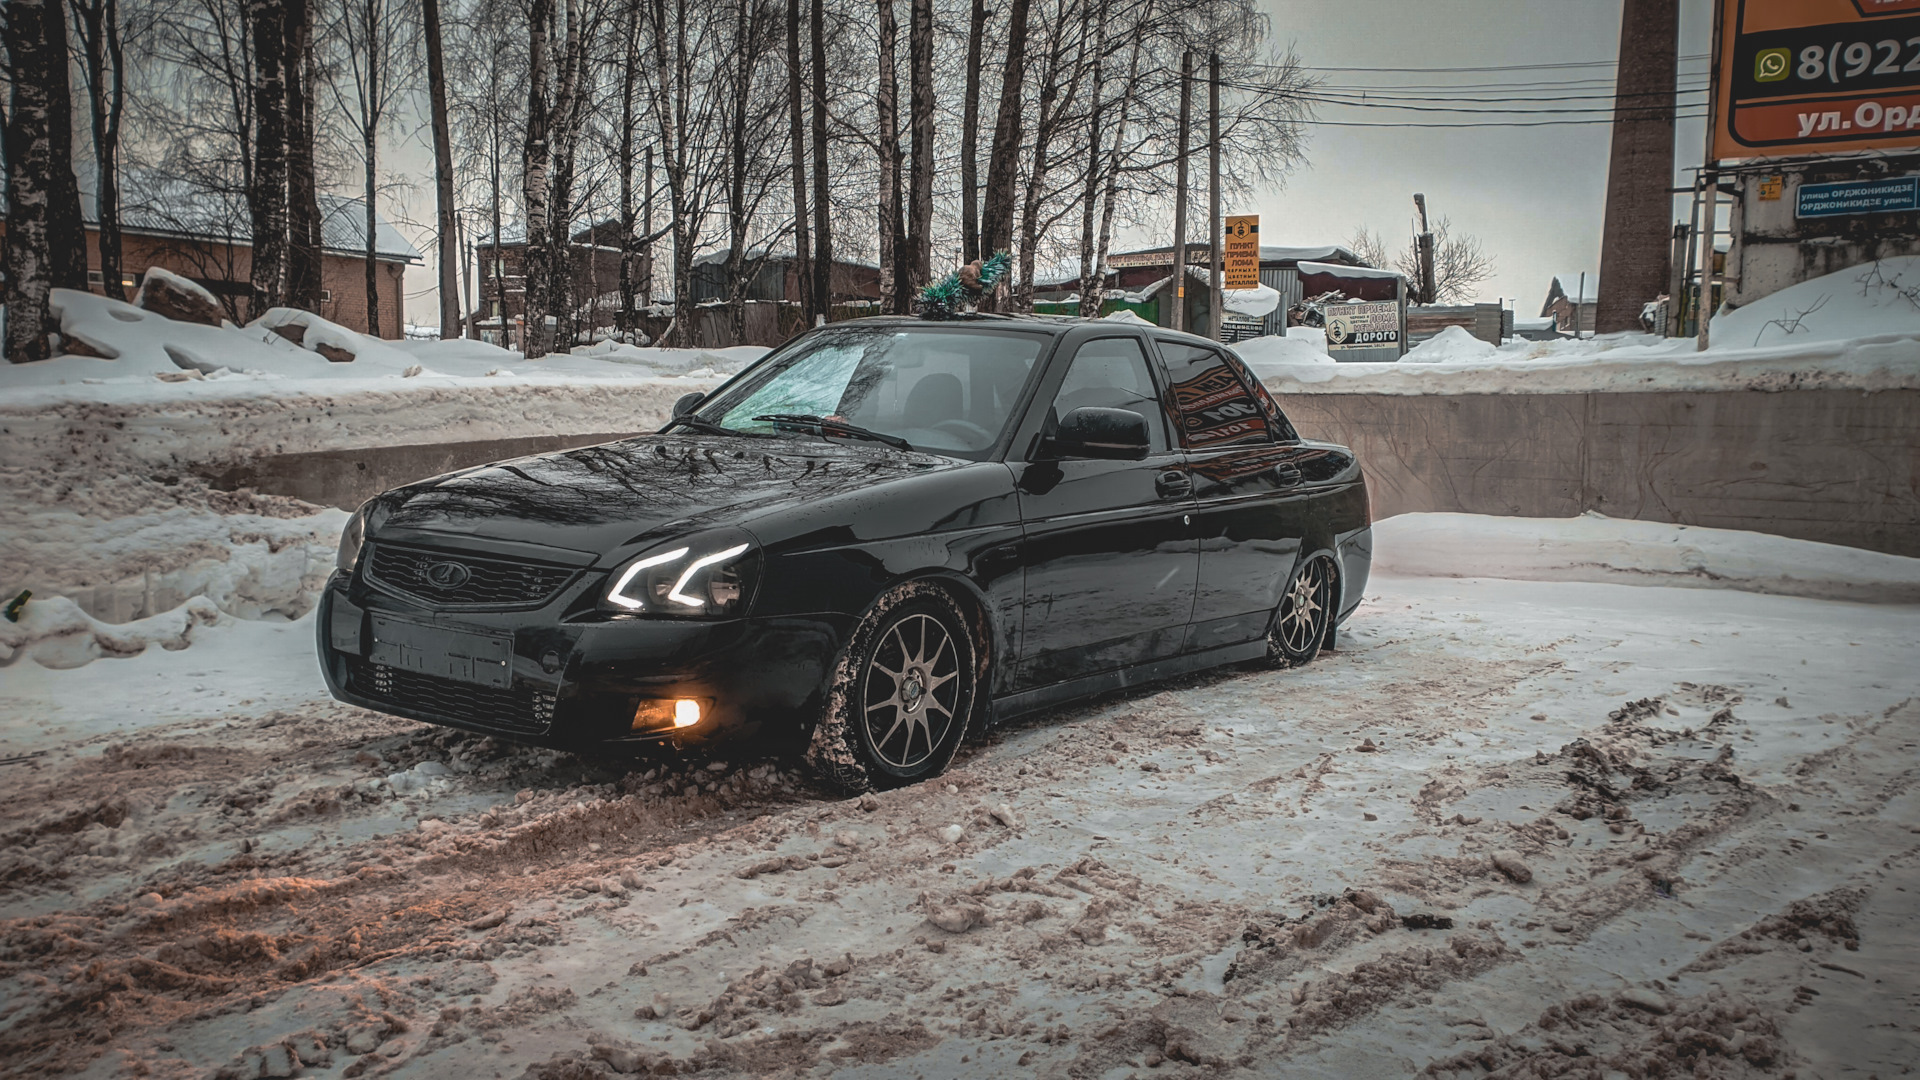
<point x="1816" y="76"/>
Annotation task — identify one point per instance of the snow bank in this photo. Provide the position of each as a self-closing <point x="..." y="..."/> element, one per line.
<point x="57" y="634"/>
<point x="136" y="347"/>
<point x="1597" y="548"/>
<point x="1270" y="357"/>
<point x="1858" y="329"/>
<point x="1879" y="298"/>
<point x="1453" y="345"/>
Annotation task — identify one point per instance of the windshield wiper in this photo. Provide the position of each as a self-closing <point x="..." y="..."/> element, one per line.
<point x="698" y="424"/>
<point x="825" y="425"/>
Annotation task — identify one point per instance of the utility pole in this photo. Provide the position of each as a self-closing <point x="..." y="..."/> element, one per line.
<point x="1215" y="307"/>
<point x="1423" y="242"/>
<point x="1179" y="321"/>
<point x="1711" y="206"/>
<point x="1676" y="283"/>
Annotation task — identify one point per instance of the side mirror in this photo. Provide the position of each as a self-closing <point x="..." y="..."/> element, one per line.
<point x="688" y="403"/>
<point x="1094" y="432"/>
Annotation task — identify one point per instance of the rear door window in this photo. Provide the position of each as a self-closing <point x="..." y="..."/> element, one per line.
<point x="1211" y="406"/>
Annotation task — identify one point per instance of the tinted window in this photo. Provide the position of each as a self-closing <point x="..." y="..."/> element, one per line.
<point x="1111" y="373"/>
<point x="1276" y="420"/>
<point x="948" y="390"/>
<point x="1211" y="405"/>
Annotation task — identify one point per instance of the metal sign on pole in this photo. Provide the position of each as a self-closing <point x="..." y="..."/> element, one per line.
<point x="1242" y="259"/>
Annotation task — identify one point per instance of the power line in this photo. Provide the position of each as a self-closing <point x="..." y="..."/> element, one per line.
<point x="1472" y="124"/>
<point x="1495" y="67"/>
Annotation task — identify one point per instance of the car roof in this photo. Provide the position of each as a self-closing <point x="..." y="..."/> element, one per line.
<point x="1056" y="324"/>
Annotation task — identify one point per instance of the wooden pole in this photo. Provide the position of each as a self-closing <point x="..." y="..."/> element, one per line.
<point x="1215" y="306"/>
<point x="1179" y="317"/>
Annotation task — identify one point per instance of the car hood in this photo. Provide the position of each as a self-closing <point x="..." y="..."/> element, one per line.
<point x="603" y="501"/>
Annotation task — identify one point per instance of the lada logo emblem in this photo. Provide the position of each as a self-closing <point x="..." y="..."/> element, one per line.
<point x="447" y="575"/>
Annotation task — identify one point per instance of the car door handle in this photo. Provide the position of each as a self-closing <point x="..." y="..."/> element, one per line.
<point x="1288" y="474"/>
<point x="1173" y="484"/>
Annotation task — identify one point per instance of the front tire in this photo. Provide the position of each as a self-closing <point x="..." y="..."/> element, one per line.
<point x="903" y="693"/>
<point x="1301" y="623"/>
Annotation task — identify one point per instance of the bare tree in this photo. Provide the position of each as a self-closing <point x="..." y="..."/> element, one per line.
<point x="970" y="135"/>
<point x="304" y="242"/>
<point x="31" y="67"/>
<point x="920" y="123"/>
<point x="1460" y="264"/>
<point x="996" y="214"/>
<point x="447" y="233"/>
<point x="377" y="65"/>
<point x="893" y="290"/>
<point x="797" y="139"/>
<point x="822" y="205"/>
<point x="535" y="163"/>
<point x="104" y="61"/>
<point x="267" y="192"/>
<point x="1367" y="246"/>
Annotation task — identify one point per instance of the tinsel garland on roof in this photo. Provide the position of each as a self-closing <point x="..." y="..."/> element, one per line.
<point x="956" y="293"/>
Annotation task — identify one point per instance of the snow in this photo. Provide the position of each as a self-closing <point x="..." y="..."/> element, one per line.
<point x="1346" y="271"/>
<point x="1257" y="302"/>
<point x="1453" y="345"/>
<point x="1882" y="353"/>
<point x="1861" y="301"/>
<point x="1708" y="791"/>
<point x="1269" y="356"/>
<point x="1597" y="548"/>
<point x="147" y="348"/>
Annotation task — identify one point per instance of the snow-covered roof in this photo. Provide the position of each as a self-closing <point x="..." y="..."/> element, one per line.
<point x="1307" y="254"/>
<point x="1347" y="271"/>
<point x="154" y="202"/>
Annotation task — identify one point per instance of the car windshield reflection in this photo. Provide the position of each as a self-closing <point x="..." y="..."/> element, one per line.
<point x="945" y="390"/>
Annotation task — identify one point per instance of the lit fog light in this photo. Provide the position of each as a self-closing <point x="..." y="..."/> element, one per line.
<point x="663" y="715"/>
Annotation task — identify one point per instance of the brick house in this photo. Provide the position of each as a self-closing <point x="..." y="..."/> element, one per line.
<point x="1572" y="302"/>
<point x="206" y="236"/>
<point x="500" y="269"/>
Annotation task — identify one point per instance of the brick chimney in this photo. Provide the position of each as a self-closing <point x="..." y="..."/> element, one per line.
<point x="1634" y="246"/>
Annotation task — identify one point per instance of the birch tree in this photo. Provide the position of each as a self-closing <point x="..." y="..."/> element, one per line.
<point x="377" y="63"/>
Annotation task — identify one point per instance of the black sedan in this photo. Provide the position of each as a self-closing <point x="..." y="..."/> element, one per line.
<point x="878" y="536"/>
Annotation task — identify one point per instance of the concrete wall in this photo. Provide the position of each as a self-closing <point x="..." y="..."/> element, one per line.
<point x="1837" y="466"/>
<point x="347" y="478"/>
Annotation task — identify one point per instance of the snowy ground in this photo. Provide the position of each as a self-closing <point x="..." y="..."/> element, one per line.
<point x="1546" y="827"/>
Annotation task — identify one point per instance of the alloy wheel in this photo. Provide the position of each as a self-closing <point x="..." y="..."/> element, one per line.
<point x="912" y="691"/>
<point x="1302" y="622"/>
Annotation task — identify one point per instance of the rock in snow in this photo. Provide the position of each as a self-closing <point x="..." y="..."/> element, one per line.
<point x="1508" y="863"/>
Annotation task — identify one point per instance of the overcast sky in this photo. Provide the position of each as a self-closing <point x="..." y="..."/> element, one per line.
<point x="1535" y="196"/>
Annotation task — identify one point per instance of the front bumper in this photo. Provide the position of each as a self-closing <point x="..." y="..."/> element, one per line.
<point x="568" y="675"/>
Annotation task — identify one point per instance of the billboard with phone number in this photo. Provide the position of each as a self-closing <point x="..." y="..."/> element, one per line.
<point x="1816" y="76"/>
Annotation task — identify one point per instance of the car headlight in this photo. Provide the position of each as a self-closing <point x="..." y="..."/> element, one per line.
<point x="354" y="536"/>
<point x="708" y="578"/>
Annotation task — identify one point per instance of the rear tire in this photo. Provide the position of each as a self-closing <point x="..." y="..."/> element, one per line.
<point x="902" y="696"/>
<point x="1301" y="623"/>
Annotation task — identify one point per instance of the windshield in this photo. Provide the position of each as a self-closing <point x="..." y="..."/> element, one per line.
<point x="946" y="390"/>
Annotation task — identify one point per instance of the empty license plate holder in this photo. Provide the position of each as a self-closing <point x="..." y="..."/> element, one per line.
<point x="467" y="656"/>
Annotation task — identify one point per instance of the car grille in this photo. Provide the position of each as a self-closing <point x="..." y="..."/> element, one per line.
<point x="480" y="582"/>
<point x="517" y="710"/>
